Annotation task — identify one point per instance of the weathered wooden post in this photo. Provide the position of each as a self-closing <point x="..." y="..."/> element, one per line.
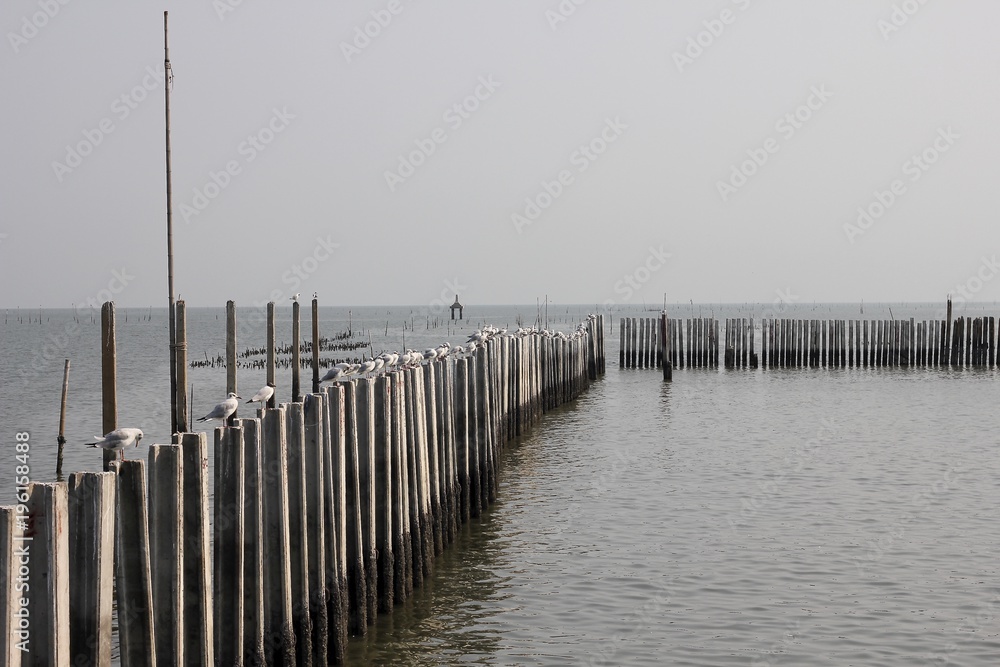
<point x="383" y="473"/>
<point x="61" y="438"/>
<point x="133" y="582"/>
<point x="109" y="374"/>
<point x="253" y="539"/>
<point x="296" y="349"/>
<point x="335" y="479"/>
<point x="199" y="620"/>
<point x="166" y="548"/>
<point x="13" y="618"/>
<point x="401" y="544"/>
<point x="271" y="357"/>
<point x="180" y="344"/>
<point x="279" y="637"/>
<point x="414" y="486"/>
<point x="229" y="593"/>
<point x="364" y="396"/>
<point x="295" y="429"/>
<point x="315" y="345"/>
<point x="433" y="454"/>
<point x="48" y="579"/>
<point x="665" y="351"/>
<point x="357" y="592"/>
<point x="231" y="361"/>
<point x="314" y="413"/>
<point x="90" y="506"/>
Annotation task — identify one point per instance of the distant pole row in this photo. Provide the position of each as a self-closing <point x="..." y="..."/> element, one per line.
<point x="788" y="343"/>
<point x="327" y="512"/>
<point x="691" y="343"/>
<point x="879" y="343"/>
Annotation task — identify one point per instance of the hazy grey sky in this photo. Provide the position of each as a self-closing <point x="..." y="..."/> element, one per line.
<point x="389" y="151"/>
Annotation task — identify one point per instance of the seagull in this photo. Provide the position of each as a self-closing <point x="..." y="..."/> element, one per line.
<point x="264" y="395"/>
<point x="366" y="367"/>
<point x="118" y="440"/>
<point x="223" y="410"/>
<point x="315" y="295"/>
<point x="295" y="297"/>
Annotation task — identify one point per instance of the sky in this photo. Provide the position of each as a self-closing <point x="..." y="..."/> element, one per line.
<point x="396" y="152"/>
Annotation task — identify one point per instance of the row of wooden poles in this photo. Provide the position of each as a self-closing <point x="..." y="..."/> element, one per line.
<point x="965" y="342"/>
<point x="326" y="512"/>
<point x="691" y="343"/>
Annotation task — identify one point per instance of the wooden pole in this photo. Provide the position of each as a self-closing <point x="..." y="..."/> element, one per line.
<point x="356" y="579"/>
<point x="91" y="502"/>
<point x="61" y="440"/>
<point x="296" y="349"/>
<point x="133" y="582"/>
<point x="48" y="579"/>
<point x="365" y="427"/>
<point x="433" y="455"/>
<point x="109" y="377"/>
<point x="231" y="363"/>
<point x="166" y="530"/>
<point x="168" y="79"/>
<point x="271" y="402"/>
<point x="199" y="621"/>
<point x="383" y="473"/>
<point x="279" y="637"/>
<point x="10" y="600"/>
<point x="401" y="550"/>
<point x="180" y="345"/>
<point x="229" y="592"/>
<point x="314" y="412"/>
<point x="295" y="428"/>
<point x="336" y="523"/>
<point x="315" y="346"/>
<point x="253" y="536"/>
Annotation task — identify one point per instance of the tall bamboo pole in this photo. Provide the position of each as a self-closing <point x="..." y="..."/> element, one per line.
<point x="168" y="78"/>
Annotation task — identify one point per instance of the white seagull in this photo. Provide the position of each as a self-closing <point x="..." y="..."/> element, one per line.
<point x="295" y="297"/>
<point x="118" y="440"/>
<point x="264" y="395"/>
<point x="223" y="410"/>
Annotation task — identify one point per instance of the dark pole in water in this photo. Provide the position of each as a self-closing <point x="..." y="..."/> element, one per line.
<point x="315" y="349"/>
<point x="109" y="365"/>
<point x="175" y="425"/>
<point x="62" y="422"/>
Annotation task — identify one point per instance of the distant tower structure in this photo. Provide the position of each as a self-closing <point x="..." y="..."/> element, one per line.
<point x="457" y="306"/>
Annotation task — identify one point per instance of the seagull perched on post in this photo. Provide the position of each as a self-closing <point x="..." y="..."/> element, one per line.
<point x="264" y="395"/>
<point x="295" y="297"/>
<point x="223" y="410"/>
<point x="118" y="440"/>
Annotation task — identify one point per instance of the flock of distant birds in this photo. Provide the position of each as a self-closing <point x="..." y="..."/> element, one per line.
<point x="119" y="439"/>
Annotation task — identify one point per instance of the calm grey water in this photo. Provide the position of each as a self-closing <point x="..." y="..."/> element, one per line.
<point x="780" y="517"/>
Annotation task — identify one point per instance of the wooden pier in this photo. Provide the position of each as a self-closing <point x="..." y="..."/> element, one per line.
<point x="808" y="343"/>
<point x="327" y="512"/>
